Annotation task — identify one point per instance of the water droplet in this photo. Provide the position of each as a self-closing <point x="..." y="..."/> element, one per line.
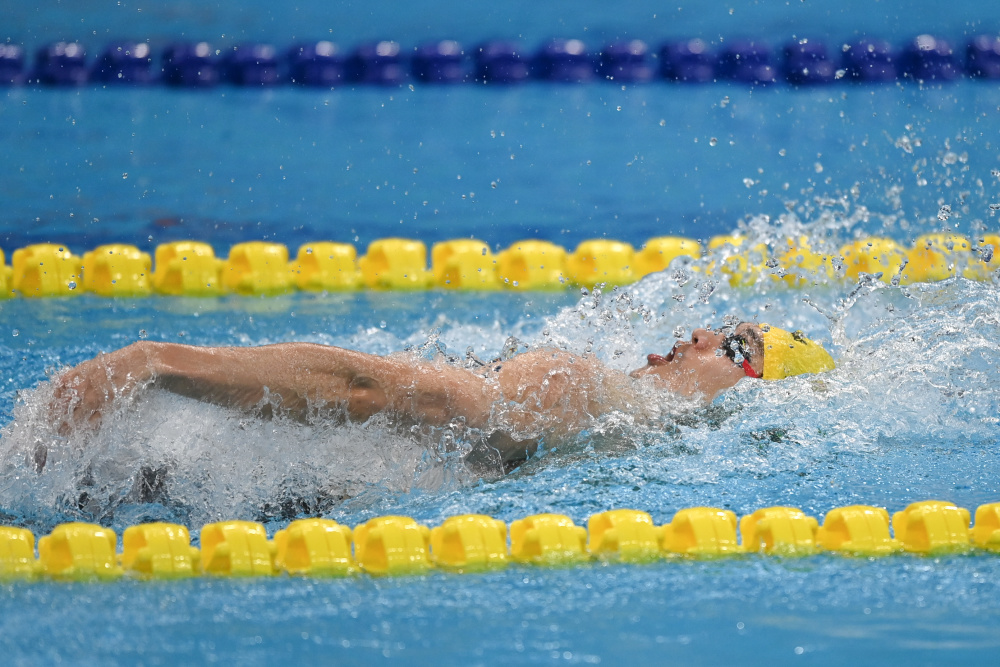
<point x="713" y="142"/>
<point x="381" y="324"/>
<point x="71" y="284"/>
<point x="125" y="175"/>
<point x="15" y="332"/>
<point x="944" y="213"/>
<point x="142" y="334"/>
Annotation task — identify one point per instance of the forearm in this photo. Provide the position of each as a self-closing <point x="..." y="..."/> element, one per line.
<point x="292" y="376"/>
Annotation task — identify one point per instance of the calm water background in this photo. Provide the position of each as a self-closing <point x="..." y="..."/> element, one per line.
<point x="909" y="415"/>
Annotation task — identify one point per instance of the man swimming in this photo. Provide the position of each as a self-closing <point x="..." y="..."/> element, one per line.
<point x="544" y="392"/>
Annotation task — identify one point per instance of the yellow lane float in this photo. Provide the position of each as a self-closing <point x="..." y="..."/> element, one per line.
<point x="46" y="269"/>
<point x="702" y="532"/>
<point x="392" y="545"/>
<point x="858" y="530"/>
<point x="398" y="545"/>
<point x="256" y="268"/>
<point x="117" y="270"/>
<point x="600" y="261"/>
<point x="187" y="267"/>
<point x="779" y="531"/>
<point x="395" y="264"/>
<point x="532" y="265"/>
<point x="325" y="266"/>
<point x="79" y="551"/>
<point x="314" y="547"/>
<point x="464" y="264"/>
<point x="470" y="542"/>
<point x="547" y="539"/>
<point x="161" y="550"/>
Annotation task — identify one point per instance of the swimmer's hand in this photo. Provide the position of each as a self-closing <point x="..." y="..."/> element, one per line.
<point x="83" y="394"/>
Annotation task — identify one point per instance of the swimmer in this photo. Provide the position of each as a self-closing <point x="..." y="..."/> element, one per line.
<point x="539" y="393"/>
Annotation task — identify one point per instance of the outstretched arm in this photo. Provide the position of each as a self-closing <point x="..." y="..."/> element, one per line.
<point x="294" y="375"/>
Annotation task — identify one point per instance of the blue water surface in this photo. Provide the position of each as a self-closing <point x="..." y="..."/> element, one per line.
<point x="909" y="415"/>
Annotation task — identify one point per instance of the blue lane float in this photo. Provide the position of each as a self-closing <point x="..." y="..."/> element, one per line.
<point x="11" y="64"/>
<point x="190" y="65"/>
<point x="439" y="62"/>
<point x="500" y="61"/>
<point x="929" y="58"/>
<point x="805" y="62"/>
<point x="124" y="62"/>
<point x="61" y="64"/>
<point x="925" y="58"/>
<point x="320" y="64"/>
<point x="252" y="65"/>
<point x="379" y="63"/>
<point x="626" y="61"/>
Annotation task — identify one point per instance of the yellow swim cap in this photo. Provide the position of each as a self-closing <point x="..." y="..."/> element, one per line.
<point x="787" y="354"/>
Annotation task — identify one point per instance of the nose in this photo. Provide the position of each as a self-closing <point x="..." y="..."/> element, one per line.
<point x="703" y="339"/>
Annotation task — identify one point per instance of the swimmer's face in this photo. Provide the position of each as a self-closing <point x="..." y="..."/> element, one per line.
<point x="701" y="367"/>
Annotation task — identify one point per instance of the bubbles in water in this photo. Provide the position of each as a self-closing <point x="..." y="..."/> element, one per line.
<point x="72" y="284"/>
<point x="944" y="213"/>
<point x="15" y="333"/>
<point x="142" y="334"/>
<point x="713" y="142"/>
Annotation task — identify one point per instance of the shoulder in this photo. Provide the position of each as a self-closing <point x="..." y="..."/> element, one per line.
<point x="548" y="367"/>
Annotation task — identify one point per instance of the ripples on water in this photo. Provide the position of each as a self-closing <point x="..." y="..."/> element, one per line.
<point x="916" y="386"/>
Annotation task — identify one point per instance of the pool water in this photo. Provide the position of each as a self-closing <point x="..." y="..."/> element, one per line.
<point x="909" y="414"/>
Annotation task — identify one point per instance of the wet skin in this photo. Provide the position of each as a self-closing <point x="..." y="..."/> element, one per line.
<point x="699" y="367"/>
<point x="538" y="392"/>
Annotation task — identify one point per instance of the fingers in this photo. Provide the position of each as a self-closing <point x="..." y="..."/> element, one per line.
<point x="79" y="396"/>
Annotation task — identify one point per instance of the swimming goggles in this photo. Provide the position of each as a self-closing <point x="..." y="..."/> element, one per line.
<point x="734" y="345"/>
